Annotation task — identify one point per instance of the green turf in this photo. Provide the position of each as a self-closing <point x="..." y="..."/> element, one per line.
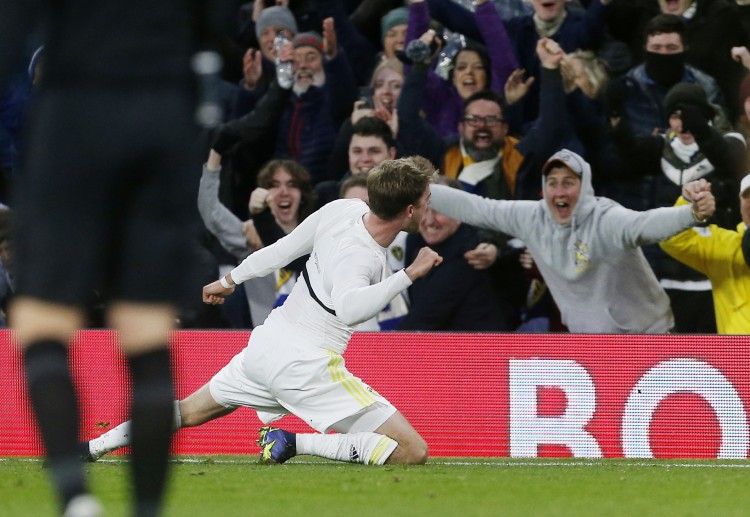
<point x="237" y="486"/>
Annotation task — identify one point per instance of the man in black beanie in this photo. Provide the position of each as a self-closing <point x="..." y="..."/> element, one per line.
<point x="691" y="149"/>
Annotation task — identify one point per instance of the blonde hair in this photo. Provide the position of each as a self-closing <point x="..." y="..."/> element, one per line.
<point x="392" y="63"/>
<point x="595" y="68"/>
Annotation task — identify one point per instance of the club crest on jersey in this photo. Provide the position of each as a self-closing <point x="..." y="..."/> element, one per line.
<point x="582" y="258"/>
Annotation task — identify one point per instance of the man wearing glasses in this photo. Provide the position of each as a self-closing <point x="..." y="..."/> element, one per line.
<point x="491" y="163"/>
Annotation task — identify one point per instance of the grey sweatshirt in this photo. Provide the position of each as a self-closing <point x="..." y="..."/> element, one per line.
<point x="593" y="264"/>
<point x="227" y="227"/>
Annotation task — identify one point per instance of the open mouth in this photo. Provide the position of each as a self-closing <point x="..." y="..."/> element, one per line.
<point x="563" y="210"/>
<point x="482" y="138"/>
<point x="469" y="84"/>
<point x="672" y="5"/>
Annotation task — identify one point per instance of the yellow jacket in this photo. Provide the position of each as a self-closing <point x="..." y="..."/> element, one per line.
<point x="717" y="253"/>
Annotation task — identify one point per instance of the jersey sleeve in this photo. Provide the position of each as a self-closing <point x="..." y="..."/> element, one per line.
<point x="266" y="260"/>
<point x="355" y="297"/>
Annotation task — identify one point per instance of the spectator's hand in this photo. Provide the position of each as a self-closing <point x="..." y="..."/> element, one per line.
<point x="214" y="293"/>
<point x="257" y="8"/>
<point x="330" y="45"/>
<point x="425" y="261"/>
<point x="692" y="189"/>
<point x="251" y="235"/>
<point x="252" y="69"/>
<point x="742" y="55"/>
<point x="259" y="200"/>
<point x="359" y="112"/>
<point x="704" y="206"/>
<point x="482" y="257"/>
<point x="526" y="260"/>
<point x="549" y="52"/>
<point x="694" y="121"/>
<point x="516" y="87"/>
<point x="390" y="118"/>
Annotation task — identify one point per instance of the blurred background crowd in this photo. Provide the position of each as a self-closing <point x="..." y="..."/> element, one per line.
<point x="316" y="93"/>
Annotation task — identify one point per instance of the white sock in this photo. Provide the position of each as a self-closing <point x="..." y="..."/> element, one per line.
<point x="119" y="436"/>
<point x="177" y="424"/>
<point x="113" y="439"/>
<point x="367" y="448"/>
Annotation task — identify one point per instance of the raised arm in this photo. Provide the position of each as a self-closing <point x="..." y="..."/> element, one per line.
<point x="356" y="299"/>
<point x="491" y="214"/>
<point x="658" y="224"/>
<point x="219" y="220"/>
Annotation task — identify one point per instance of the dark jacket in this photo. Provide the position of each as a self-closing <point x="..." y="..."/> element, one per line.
<point x="716" y="27"/>
<point x="454" y="296"/>
<point x="724" y="152"/>
<point x="308" y="127"/>
<point x="643" y="99"/>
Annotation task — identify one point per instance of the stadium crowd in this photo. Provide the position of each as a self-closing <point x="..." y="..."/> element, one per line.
<point x="647" y="96"/>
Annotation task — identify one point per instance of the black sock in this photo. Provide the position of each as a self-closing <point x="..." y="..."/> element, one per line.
<point x="152" y="417"/>
<point x="53" y="398"/>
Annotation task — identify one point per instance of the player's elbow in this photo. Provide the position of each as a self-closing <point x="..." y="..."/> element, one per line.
<point x="348" y="316"/>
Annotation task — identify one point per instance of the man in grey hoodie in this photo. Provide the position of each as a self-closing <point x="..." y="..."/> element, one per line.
<point x="586" y="247"/>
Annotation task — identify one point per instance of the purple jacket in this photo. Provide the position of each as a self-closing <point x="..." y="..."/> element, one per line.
<point x="442" y="104"/>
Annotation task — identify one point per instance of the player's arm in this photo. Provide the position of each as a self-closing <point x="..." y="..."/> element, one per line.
<point x="355" y="298"/>
<point x="266" y="260"/>
<point x="746" y="246"/>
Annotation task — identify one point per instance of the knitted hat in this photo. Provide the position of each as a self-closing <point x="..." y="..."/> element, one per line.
<point x="276" y="15"/>
<point x="309" y="39"/>
<point x="398" y="16"/>
<point x="744" y="91"/>
<point x="687" y="93"/>
<point x="745" y="184"/>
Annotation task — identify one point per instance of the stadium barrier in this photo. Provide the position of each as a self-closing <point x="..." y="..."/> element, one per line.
<point x="519" y="395"/>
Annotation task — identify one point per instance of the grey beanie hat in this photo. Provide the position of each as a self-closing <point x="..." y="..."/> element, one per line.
<point x="276" y="15"/>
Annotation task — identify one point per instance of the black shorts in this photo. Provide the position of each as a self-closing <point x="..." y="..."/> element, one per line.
<point x="105" y="200"/>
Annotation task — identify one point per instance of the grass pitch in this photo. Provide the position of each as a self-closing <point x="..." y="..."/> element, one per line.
<point x="228" y="486"/>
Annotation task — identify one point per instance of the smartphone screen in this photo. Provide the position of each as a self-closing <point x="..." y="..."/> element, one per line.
<point x="365" y="95"/>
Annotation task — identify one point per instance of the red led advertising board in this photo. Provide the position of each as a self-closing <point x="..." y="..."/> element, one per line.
<point x="518" y="395"/>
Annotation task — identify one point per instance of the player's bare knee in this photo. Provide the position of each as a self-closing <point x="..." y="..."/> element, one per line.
<point x="419" y="452"/>
<point x="411" y="453"/>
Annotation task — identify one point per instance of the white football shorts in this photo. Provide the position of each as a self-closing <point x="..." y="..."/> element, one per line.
<point x="280" y="372"/>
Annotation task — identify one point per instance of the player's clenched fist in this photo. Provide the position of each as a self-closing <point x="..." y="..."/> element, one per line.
<point x="425" y="261"/>
<point x="214" y="293"/>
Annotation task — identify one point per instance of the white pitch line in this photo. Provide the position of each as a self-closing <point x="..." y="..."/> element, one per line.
<point x="542" y="464"/>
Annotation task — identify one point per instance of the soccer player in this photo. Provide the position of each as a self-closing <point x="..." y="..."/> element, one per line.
<point x="101" y="206"/>
<point x="293" y="362"/>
